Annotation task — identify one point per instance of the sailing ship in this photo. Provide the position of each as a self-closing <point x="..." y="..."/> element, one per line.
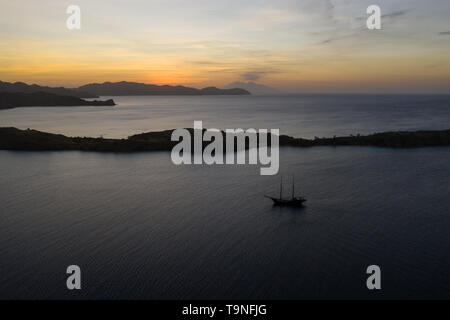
<point x="290" y="202"/>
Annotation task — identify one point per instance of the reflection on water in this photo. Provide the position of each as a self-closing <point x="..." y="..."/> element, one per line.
<point x="140" y="227"/>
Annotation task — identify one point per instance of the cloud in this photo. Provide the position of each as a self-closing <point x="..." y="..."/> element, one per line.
<point x="387" y="15"/>
<point x="444" y="33"/>
<point x="327" y="41"/>
<point x="325" y="8"/>
<point x="255" y="75"/>
<point x="329" y="9"/>
<point x="203" y="62"/>
<point x="395" y="14"/>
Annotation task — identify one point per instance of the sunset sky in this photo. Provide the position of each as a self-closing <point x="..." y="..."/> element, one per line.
<point x="295" y="46"/>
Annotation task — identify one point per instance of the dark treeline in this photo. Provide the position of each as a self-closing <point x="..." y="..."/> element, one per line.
<point x="33" y="140"/>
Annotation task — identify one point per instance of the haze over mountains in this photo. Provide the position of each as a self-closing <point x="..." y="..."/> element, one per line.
<point x="254" y="88"/>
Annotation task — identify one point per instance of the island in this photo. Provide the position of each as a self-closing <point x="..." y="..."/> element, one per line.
<point x="33" y="140"/>
<point x="10" y="100"/>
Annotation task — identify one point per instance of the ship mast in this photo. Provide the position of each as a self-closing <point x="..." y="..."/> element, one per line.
<point x="293" y="186"/>
<point x="281" y="187"/>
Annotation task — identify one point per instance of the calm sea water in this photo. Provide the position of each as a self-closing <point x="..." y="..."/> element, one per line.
<point x="301" y="116"/>
<point x="140" y="227"/>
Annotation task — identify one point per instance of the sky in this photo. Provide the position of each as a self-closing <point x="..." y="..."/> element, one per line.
<point x="294" y="46"/>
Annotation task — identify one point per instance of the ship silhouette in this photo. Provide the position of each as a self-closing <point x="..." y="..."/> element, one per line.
<point x="293" y="201"/>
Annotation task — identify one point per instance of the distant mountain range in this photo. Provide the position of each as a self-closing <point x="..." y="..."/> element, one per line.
<point x="20" y="94"/>
<point x="26" y="88"/>
<point x="254" y="88"/>
<point x="19" y="99"/>
<point x="125" y="88"/>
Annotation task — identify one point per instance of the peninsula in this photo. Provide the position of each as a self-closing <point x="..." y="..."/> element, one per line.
<point x="33" y="140"/>
<point x="10" y="100"/>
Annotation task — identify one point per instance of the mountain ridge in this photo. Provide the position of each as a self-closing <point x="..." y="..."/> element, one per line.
<point x="123" y="88"/>
<point x="22" y="87"/>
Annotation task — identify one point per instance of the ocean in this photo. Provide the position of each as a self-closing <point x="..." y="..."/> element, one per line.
<point x="140" y="227"/>
<point x="303" y="116"/>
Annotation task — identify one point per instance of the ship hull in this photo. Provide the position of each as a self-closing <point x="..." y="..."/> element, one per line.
<point x="288" y="203"/>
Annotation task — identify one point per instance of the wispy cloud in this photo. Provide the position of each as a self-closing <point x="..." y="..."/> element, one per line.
<point x="253" y="75"/>
<point x="395" y="14"/>
<point x="327" y="41"/>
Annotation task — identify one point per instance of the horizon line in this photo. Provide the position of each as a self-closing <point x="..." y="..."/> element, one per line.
<point x="280" y="93"/>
